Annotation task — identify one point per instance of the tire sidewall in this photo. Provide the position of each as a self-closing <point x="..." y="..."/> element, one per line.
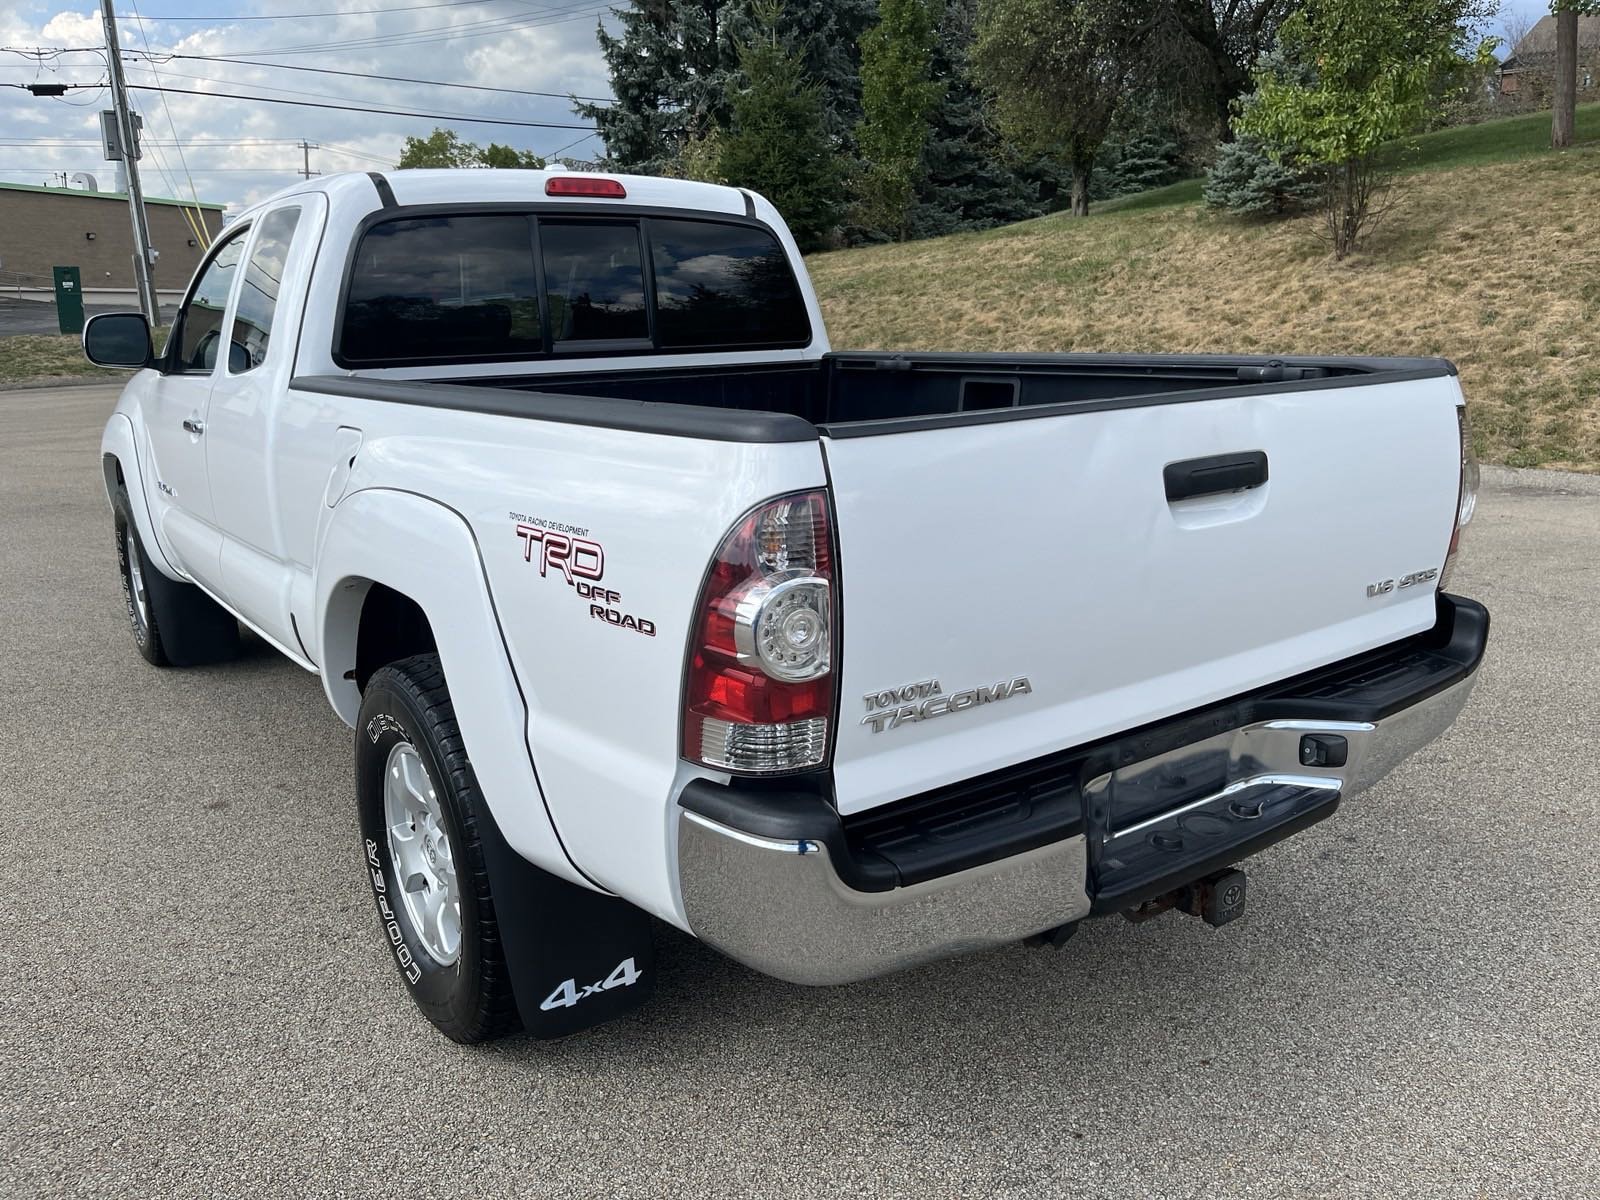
<point x="128" y="544"/>
<point x="447" y="994"/>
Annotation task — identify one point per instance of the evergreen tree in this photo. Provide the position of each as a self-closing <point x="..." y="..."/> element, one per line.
<point x="1147" y="158"/>
<point x="897" y="97"/>
<point x="1248" y="181"/>
<point x="670" y="68"/>
<point x="674" y="63"/>
<point x="778" y="142"/>
<point x="972" y="180"/>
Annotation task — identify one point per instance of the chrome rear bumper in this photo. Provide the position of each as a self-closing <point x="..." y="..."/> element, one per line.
<point x="785" y="905"/>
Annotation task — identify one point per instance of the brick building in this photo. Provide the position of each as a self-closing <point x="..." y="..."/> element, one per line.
<point x="45" y="227"/>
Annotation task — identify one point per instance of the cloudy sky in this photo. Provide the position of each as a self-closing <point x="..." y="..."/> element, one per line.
<point x="235" y="151"/>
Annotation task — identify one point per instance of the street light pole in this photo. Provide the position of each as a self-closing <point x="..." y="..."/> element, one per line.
<point x="143" y="266"/>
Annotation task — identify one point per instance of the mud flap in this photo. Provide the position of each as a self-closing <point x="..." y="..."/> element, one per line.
<point x="577" y="958"/>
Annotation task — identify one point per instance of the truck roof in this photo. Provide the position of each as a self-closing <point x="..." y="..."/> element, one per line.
<point x="492" y="186"/>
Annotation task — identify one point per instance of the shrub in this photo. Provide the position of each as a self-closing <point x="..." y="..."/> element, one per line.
<point x="1248" y="181"/>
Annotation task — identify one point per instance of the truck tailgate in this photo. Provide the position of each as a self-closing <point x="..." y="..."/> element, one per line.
<point x="1022" y="585"/>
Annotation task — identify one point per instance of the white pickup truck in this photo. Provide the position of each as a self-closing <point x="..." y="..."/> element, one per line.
<point x="643" y="604"/>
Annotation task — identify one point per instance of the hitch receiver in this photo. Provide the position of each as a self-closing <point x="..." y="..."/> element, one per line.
<point x="1216" y="899"/>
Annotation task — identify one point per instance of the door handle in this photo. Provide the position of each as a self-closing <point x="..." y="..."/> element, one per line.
<point x="193" y="426"/>
<point x="1219" y="473"/>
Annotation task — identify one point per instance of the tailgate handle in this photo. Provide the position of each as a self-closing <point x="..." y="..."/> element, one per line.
<point x="1218" y="473"/>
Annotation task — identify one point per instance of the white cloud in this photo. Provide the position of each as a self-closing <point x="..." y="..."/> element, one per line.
<point x="239" y="152"/>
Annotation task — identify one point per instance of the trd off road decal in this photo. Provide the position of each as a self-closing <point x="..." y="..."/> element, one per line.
<point x="391" y="924"/>
<point x="581" y="564"/>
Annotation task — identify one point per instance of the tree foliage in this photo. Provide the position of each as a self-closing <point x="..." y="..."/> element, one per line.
<point x="898" y="95"/>
<point x="446" y="148"/>
<point x="973" y="180"/>
<point x="1253" y="178"/>
<point x="1376" y="64"/>
<point x="778" y="142"/>
<point x="1056" y="70"/>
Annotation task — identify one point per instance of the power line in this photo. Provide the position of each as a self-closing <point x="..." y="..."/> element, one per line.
<point x="199" y="228"/>
<point x="351" y="12"/>
<point x="435" y="33"/>
<point x="388" y="112"/>
<point x="472" y="87"/>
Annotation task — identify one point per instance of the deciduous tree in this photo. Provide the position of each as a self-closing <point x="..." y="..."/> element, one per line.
<point x="1563" y="119"/>
<point x="446" y="148"/>
<point x="1056" y="71"/>
<point x="1376" y="62"/>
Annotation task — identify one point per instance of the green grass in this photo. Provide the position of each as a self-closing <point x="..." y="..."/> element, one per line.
<point x="1506" y="140"/>
<point x="34" y="359"/>
<point x="43" y="358"/>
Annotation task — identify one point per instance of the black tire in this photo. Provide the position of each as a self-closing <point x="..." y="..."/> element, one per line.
<point x="470" y="999"/>
<point x="174" y="624"/>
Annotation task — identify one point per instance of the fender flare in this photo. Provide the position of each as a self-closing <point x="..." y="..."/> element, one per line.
<point x="426" y="551"/>
<point x="119" y="443"/>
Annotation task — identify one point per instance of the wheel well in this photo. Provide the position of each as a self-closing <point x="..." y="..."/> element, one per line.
<point x="393" y="626"/>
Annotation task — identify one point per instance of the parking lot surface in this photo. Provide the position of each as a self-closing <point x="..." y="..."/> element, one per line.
<point x="195" y="1000"/>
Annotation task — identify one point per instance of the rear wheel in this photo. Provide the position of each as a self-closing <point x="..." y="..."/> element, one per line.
<point x="420" y="811"/>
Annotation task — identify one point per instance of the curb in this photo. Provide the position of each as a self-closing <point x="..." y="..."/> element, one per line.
<point x="1537" y="479"/>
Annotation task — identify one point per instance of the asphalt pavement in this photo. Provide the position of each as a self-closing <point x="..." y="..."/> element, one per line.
<point x="195" y="1001"/>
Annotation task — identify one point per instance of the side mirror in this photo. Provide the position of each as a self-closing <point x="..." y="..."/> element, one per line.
<point x="118" y="340"/>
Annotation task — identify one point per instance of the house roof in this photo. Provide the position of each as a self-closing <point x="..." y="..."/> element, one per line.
<point x="81" y="194"/>
<point x="1539" y="43"/>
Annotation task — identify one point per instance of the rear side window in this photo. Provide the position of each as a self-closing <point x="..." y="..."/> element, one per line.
<point x="446" y="288"/>
<point x="258" y="298"/>
<point x="594" y="277"/>
<point x="723" y="285"/>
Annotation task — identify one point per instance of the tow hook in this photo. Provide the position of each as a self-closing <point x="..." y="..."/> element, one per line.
<point x="1216" y="899"/>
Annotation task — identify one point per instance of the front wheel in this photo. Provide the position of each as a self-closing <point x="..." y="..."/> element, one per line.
<point x="174" y="624"/>
<point x="420" y="810"/>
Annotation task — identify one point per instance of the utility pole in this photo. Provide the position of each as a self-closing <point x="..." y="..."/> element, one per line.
<point x="305" y="154"/>
<point x="143" y="264"/>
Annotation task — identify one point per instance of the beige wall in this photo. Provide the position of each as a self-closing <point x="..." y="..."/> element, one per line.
<point x="41" y="230"/>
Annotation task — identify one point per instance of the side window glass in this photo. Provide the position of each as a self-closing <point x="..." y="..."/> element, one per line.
<point x="594" y="279"/>
<point x="442" y="289"/>
<point x="199" y="329"/>
<point x="258" y="296"/>
<point x="723" y="285"/>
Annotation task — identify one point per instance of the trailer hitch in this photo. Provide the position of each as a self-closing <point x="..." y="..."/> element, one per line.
<point x="1216" y="899"/>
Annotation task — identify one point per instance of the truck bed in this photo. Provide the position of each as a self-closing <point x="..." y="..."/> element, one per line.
<point x="860" y="387"/>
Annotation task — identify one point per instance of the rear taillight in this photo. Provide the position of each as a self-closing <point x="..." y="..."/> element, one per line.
<point x="1466" y="495"/>
<point x="759" y="688"/>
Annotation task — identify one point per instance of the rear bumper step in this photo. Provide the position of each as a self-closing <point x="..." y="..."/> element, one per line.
<point x="775" y="879"/>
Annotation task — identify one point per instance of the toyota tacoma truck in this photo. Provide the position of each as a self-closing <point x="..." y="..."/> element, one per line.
<point x="643" y="604"/>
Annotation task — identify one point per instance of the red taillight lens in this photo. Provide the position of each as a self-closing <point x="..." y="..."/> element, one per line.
<point x="1466" y="495"/>
<point x="759" y="688"/>
<point x="584" y="185"/>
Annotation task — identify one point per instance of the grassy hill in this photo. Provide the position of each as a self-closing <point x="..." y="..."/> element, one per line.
<point x="1492" y="259"/>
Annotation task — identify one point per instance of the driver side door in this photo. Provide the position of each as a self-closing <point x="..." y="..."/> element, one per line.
<point x="179" y="487"/>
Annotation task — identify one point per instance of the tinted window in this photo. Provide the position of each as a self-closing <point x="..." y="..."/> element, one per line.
<point x="445" y="288"/>
<point x="258" y="296"/>
<point x="721" y="285"/>
<point x="594" y="281"/>
<point x="200" y="322"/>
